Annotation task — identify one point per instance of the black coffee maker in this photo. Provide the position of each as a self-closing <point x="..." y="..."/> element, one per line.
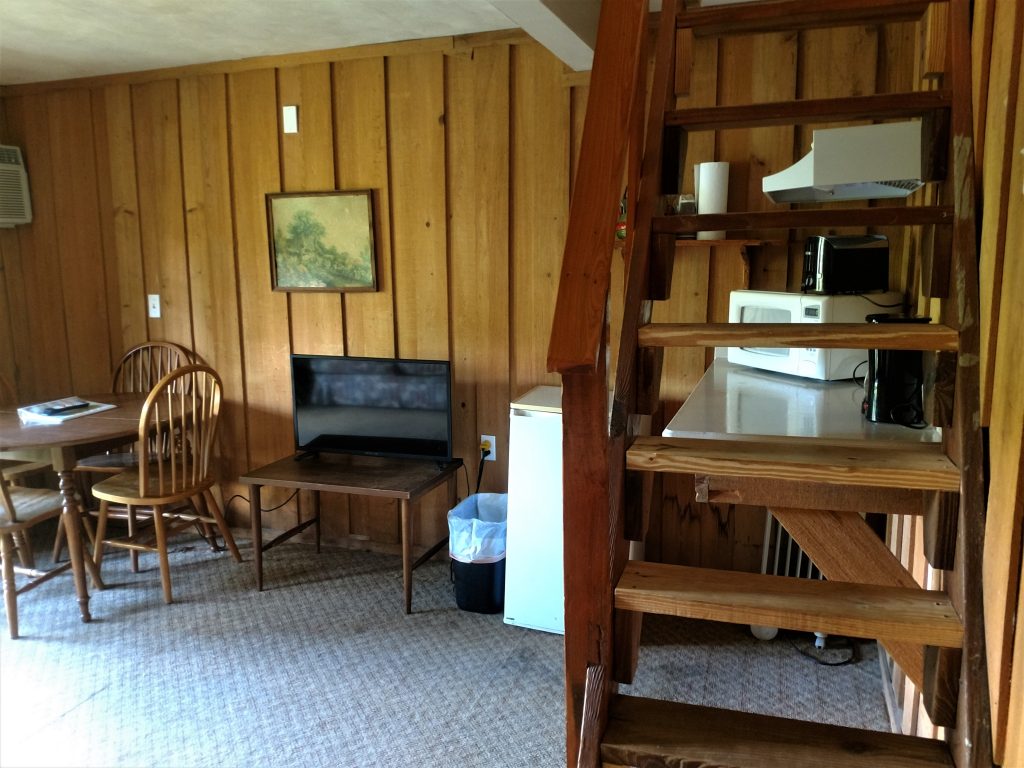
<point x="895" y="382"/>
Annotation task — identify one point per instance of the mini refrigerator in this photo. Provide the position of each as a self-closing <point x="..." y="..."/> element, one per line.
<point x="534" y="587"/>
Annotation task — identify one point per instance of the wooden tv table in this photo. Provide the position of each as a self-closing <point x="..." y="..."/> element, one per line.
<point x="407" y="480"/>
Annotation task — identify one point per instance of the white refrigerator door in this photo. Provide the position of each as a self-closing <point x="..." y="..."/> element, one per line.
<point x="534" y="588"/>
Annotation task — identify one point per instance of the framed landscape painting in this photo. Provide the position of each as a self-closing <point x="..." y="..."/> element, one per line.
<point x="322" y="241"/>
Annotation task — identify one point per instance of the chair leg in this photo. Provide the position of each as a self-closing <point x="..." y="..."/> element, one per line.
<point x="23" y="543"/>
<point x="133" y="555"/>
<point x="58" y="540"/>
<point x="101" y="531"/>
<point x="161" y="543"/>
<point x="222" y="524"/>
<point x="10" y="588"/>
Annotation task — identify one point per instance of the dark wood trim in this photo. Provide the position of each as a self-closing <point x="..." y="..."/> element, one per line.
<point x="811" y="218"/>
<point x="785" y="15"/>
<point x="809" y="111"/>
<point x="933" y="337"/>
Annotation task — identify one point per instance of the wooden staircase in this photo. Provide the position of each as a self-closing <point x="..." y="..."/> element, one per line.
<point x="810" y="486"/>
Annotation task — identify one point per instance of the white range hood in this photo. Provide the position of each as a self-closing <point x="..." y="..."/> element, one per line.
<point x="860" y="162"/>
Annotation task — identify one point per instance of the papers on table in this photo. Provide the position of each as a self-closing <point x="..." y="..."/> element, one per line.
<point x="58" y="411"/>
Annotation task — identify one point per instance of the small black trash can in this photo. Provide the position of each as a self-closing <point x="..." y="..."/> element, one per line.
<point x="476" y="543"/>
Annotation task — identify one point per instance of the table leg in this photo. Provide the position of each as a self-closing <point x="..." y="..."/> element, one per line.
<point x="73" y="530"/>
<point x="316" y="512"/>
<point x="407" y="553"/>
<point x="256" y="521"/>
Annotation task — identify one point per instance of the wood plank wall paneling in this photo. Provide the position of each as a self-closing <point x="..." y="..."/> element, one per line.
<point x="76" y="208"/>
<point x="255" y="172"/>
<point x="540" y="207"/>
<point x="361" y="149"/>
<point x="46" y="371"/>
<point x="416" y="143"/>
<point x="361" y="155"/>
<point x="123" y="208"/>
<point x="104" y="192"/>
<point x="211" y="249"/>
<point x="179" y="166"/>
<point x="161" y="216"/>
<point x="477" y="117"/>
<point x="10" y="293"/>
<point x="307" y="165"/>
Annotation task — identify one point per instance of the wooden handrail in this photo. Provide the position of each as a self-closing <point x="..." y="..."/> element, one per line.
<point x="586" y="264"/>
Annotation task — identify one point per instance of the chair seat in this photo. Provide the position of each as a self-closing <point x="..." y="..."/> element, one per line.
<point x="123" y="488"/>
<point x="13" y="467"/>
<point x="32" y="505"/>
<point x="107" y="462"/>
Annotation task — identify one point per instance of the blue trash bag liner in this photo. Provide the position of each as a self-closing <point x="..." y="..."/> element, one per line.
<point x="477" y="528"/>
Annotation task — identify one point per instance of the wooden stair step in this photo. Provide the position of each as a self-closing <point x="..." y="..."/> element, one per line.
<point x="932" y="337"/>
<point x="803" y="111"/>
<point x="804" y="218"/>
<point x="644" y="731"/>
<point x="810" y="605"/>
<point x="884" y="464"/>
<point x="786" y="15"/>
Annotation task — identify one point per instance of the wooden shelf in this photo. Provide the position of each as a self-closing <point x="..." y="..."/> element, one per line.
<point x="691" y="242"/>
<point x="816" y="218"/>
<point x="808" y="605"/>
<point x="787" y="15"/>
<point x="807" y="111"/>
<point x="650" y="732"/>
<point x="930" y="337"/>
<point x="888" y="465"/>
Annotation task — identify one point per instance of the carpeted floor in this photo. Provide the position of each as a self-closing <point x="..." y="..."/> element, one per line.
<point x="324" y="669"/>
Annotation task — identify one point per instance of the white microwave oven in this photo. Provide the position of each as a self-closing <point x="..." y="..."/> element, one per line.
<point x="809" y="362"/>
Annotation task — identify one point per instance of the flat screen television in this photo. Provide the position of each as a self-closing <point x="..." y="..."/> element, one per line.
<point x="373" y="406"/>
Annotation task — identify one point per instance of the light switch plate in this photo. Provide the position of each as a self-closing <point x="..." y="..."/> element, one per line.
<point x="290" y="119"/>
<point x="154" y="305"/>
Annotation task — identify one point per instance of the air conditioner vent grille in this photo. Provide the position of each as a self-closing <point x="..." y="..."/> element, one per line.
<point x="15" y="202"/>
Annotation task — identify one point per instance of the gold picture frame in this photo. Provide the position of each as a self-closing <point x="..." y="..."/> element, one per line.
<point x="322" y="241"/>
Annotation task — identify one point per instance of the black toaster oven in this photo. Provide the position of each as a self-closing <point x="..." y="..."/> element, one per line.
<point x="846" y="264"/>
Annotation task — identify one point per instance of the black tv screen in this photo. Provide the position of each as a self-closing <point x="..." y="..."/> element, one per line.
<point x="375" y="406"/>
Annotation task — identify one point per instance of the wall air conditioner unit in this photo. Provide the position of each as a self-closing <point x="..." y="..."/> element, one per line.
<point x="860" y="162"/>
<point x="15" y="203"/>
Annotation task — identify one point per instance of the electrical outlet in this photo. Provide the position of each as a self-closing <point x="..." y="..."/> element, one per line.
<point x="487" y="442"/>
<point x="154" y="305"/>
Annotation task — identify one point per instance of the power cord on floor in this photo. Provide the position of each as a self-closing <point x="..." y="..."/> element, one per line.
<point x="271" y="509"/>
<point x="818" y="655"/>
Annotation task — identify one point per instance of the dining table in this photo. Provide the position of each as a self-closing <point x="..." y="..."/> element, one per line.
<point x="62" y="445"/>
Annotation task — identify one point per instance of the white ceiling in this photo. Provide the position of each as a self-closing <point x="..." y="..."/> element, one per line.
<point x="60" y="39"/>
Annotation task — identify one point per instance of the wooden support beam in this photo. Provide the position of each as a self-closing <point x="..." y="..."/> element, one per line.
<point x="845" y="548"/>
<point x="592" y="725"/>
<point x="932" y="336"/>
<point x="800" y="494"/>
<point x="940" y="524"/>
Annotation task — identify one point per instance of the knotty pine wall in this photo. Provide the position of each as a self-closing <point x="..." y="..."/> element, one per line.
<point x="156" y="183"/>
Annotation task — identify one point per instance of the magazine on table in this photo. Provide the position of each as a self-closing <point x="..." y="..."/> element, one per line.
<point x="59" y="411"/>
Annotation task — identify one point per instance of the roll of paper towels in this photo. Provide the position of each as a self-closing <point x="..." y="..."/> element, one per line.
<point x="711" y="183"/>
